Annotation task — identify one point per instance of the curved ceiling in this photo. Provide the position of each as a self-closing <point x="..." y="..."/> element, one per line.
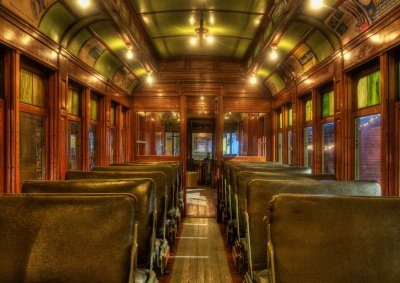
<point x="245" y="31"/>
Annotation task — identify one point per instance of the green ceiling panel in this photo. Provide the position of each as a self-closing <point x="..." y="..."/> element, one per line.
<point x="77" y="27"/>
<point x="254" y="6"/>
<point x="323" y="28"/>
<point x="320" y="45"/>
<point x="107" y="65"/>
<point x="133" y="85"/>
<point x="180" y="46"/>
<point x="277" y="81"/>
<point x="56" y="21"/>
<point x="292" y="37"/>
<point x="109" y="35"/>
<point x="178" y="23"/>
<point x="78" y="41"/>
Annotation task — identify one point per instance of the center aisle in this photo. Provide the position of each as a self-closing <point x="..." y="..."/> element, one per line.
<point x="201" y="254"/>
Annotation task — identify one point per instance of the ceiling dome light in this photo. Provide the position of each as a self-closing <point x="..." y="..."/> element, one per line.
<point x="84" y="3"/>
<point x="317" y="4"/>
<point x="149" y="79"/>
<point x="274" y="54"/>
<point x="193" y="41"/>
<point x="201" y="33"/>
<point x="253" y="79"/>
<point x="129" y="54"/>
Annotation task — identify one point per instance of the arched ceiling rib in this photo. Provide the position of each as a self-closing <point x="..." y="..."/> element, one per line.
<point x="243" y="30"/>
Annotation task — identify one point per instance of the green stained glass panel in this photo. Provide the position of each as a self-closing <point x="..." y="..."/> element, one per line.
<point x="327" y="104"/>
<point x="37" y="90"/>
<point x="368" y="90"/>
<point x="280" y="120"/>
<point x="69" y="101"/>
<point x="290" y="117"/>
<point x="112" y="115"/>
<point x="93" y="109"/>
<point x="25" y="86"/>
<point x="308" y="110"/>
<point x="73" y="102"/>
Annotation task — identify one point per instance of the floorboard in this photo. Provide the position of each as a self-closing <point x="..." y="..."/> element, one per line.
<point x="201" y="254"/>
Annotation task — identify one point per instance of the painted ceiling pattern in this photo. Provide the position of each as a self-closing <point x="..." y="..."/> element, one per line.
<point x="245" y="31"/>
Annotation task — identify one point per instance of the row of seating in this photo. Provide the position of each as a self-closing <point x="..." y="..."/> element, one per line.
<point x="287" y="225"/>
<point x="114" y="224"/>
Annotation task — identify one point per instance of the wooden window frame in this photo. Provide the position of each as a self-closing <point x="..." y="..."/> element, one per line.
<point x="37" y="110"/>
<point x="77" y="119"/>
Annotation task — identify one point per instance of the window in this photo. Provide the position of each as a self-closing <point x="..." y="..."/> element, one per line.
<point x="328" y="132"/>
<point x="368" y="90"/>
<point x="158" y="133"/>
<point x="113" y="131"/>
<point x="230" y="144"/>
<point x="279" y="135"/>
<point x="368" y="148"/>
<point x="290" y="133"/>
<point x="94" y="131"/>
<point x="367" y="136"/>
<point x="74" y="128"/>
<point x="122" y="140"/>
<point x="308" y="146"/>
<point x="32" y="125"/>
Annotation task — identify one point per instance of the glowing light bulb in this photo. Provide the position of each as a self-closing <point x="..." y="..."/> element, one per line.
<point x="129" y="54"/>
<point x="317" y="4"/>
<point x="149" y="79"/>
<point x="253" y="79"/>
<point x="274" y="55"/>
<point x="210" y="39"/>
<point x="212" y="20"/>
<point x="193" y="41"/>
<point x="191" y="20"/>
<point x="84" y="3"/>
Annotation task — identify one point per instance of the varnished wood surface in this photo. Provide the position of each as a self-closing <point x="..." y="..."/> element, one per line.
<point x="200" y="202"/>
<point x="201" y="253"/>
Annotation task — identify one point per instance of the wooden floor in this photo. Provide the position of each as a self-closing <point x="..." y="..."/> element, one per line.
<point x="201" y="202"/>
<point x="201" y="254"/>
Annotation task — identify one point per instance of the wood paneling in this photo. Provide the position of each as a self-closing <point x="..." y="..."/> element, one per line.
<point x="206" y="65"/>
<point x="157" y="103"/>
<point x="246" y="105"/>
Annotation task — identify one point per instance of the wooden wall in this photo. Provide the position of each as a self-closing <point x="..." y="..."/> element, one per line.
<point x="340" y="70"/>
<point x="17" y="42"/>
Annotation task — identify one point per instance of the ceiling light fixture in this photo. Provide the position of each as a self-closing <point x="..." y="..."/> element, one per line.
<point x="274" y="54"/>
<point x="201" y="33"/>
<point x="149" y="79"/>
<point x="317" y="4"/>
<point x="84" y="3"/>
<point x="253" y="79"/>
<point x="129" y="54"/>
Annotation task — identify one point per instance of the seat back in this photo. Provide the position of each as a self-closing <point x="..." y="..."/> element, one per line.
<point x="335" y="239"/>
<point x="260" y="192"/>
<point x="244" y="177"/>
<point x="54" y="238"/>
<point x="143" y="190"/>
<point x="167" y="170"/>
<point x="158" y="178"/>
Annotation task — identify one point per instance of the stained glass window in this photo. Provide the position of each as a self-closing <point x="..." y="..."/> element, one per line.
<point x="280" y="120"/>
<point x="94" y="108"/>
<point x="31" y="88"/>
<point x="369" y="90"/>
<point x="73" y="102"/>
<point x="290" y="116"/>
<point x="308" y="110"/>
<point x="112" y="115"/>
<point x="112" y="145"/>
<point x="327" y="104"/>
